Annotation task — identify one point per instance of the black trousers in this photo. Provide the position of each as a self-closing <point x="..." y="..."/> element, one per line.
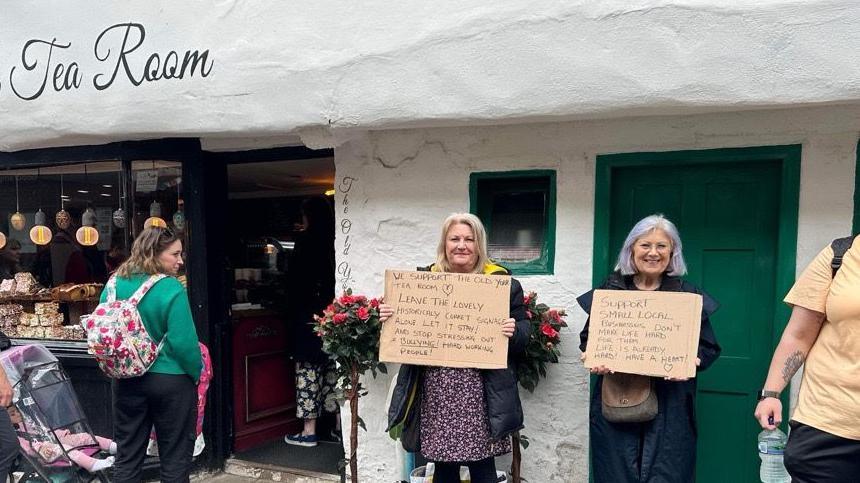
<point x="481" y="471"/>
<point x="166" y="401"/>
<point x="812" y="455"/>
<point x="8" y="444"/>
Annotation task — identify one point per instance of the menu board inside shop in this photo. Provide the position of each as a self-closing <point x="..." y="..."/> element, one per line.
<point x="648" y="333"/>
<point x="446" y="319"/>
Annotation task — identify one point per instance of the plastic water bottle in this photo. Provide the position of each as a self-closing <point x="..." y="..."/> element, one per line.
<point x="771" y="445"/>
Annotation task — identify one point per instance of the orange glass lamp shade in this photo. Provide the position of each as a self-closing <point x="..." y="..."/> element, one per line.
<point x="18" y="221"/>
<point x="41" y="235"/>
<point x="2" y="240"/>
<point x="154" y="222"/>
<point x="87" y="235"/>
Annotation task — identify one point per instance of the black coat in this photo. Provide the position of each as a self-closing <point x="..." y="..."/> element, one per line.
<point x="310" y="289"/>
<point x="662" y="450"/>
<point x="504" y="409"/>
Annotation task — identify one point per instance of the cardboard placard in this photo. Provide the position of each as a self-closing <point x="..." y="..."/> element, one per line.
<point x="643" y="332"/>
<point x="446" y="319"/>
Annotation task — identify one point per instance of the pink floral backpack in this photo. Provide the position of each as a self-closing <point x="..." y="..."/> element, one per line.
<point x="116" y="335"/>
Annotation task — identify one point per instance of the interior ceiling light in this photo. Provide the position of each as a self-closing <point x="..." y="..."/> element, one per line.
<point x="63" y="219"/>
<point x="40" y="234"/>
<point x="155" y="220"/>
<point x="87" y="235"/>
<point x="119" y="215"/>
<point x="18" y="221"/>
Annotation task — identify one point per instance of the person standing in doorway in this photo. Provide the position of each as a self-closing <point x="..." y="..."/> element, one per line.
<point x="311" y="289"/>
<point x="662" y="446"/>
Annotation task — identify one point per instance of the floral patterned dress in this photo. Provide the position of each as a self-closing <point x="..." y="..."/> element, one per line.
<point x="454" y="423"/>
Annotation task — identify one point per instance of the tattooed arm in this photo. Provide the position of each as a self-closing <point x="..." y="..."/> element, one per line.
<point x="800" y="333"/>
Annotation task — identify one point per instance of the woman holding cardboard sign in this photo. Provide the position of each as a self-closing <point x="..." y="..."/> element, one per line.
<point x="644" y="428"/>
<point x="462" y="416"/>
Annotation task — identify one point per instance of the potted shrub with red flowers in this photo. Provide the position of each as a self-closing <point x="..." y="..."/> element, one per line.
<point x="542" y="349"/>
<point x="349" y="328"/>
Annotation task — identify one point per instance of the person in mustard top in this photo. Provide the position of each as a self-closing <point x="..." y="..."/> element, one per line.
<point x="823" y="335"/>
<point x="166" y="396"/>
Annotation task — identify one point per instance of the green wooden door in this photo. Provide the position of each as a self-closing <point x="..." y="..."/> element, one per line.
<point x="728" y="216"/>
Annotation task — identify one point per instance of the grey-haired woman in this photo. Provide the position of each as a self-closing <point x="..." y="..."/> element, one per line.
<point x="663" y="449"/>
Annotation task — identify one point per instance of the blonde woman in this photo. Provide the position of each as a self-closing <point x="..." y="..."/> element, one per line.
<point x="462" y="416"/>
<point x="166" y="396"/>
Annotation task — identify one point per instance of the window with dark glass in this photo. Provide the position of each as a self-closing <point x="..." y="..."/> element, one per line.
<point x="518" y="210"/>
<point x="65" y="228"/>
<point x="61" y="243"/>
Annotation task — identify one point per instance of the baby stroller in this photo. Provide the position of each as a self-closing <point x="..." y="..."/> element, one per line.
<point x="51" y="427"/>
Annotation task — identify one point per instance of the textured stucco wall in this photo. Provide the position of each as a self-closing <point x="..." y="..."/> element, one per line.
<point x="403" y="183"/>
<point x="281" y="67"/>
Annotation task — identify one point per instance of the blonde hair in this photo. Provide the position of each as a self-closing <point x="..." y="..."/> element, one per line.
<point x="148" y="245"/>
<point x="479" y="232"/>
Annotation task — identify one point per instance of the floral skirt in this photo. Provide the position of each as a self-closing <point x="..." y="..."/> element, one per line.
<point x="314" y="384"/>
<point x="454" y="422"/>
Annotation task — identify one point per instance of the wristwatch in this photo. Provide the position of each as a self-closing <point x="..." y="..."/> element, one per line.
<point x="764" y="393"/>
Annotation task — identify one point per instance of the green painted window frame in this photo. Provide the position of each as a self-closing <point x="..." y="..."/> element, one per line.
<point x="545" y="265"/>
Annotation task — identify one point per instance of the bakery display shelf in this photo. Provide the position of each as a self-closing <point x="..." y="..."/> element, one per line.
<point x="42" y="298"/>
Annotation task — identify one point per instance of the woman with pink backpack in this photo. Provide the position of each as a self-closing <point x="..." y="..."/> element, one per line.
<point x="165" y="396"/>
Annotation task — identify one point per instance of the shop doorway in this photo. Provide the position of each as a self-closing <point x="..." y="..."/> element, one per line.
<point x="270" y="261"/>
<point x="736" y="210"/>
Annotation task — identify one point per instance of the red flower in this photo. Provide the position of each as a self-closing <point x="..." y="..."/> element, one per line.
<point x="527" y="298"/>
<point x="548" y="331"/>
<point x="339" y="318"/>
<point x="374" y="303"/>
<point x="363" y="313"/>
<point x="330" y="308"/>
<point x="346" y="299"/>
<point x="553" y="314"/>
<point x="360" y="299"/>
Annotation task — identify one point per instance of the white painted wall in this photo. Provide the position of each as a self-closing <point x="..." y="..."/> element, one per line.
<point x="286" y="67"/>
<point x="407" y="181"/>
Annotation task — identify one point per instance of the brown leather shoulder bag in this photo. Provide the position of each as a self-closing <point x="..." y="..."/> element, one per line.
<point x="628" y="398"/>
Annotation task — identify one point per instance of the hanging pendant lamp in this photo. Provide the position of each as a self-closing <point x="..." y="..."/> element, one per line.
<point x="63" y="218"/>
<point x="155" y="220"/>
<point x="18" y="220"/>
<point x="119" y="219"/>
<point x="40" y="234"/>
<point x="87" y="235"/>
<point x="179" y="216"/>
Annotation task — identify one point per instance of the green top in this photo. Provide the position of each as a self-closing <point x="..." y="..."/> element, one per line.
<point x="165" y="310"/>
